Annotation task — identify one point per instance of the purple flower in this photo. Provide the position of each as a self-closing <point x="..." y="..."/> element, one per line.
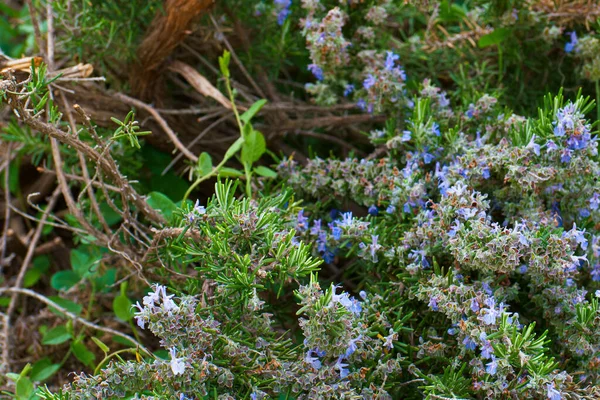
<point x="369" y="82"/>
<point x="302" y="222"/>
<point x="595" y="201"/>
<point x="362" y="104"/>
<point x="469" y="343"/>
<point x="339" y="365"/>
<point x="433" y="303"/>
<point x="492" y="366"/>
<point x="347" y="220"/>
<point x="552" y="393"/>
<point x="316" y="229"/>
<point x="336" y="232"/>
<point x="474" y="305"/>
<point x="595" y="273"/>
<point x="443" y="100"/>
<point x="373" y="210"/>
<point x="406" y="135"/>
<point x="316" y="71"/>
<point x="352" y="346"/>
<point x="348" y="89"/>
<point x="487" y="351"/>
<point x="435" y="129"/>
<point x="428" y="158"/>
<point x="390" y="60"/>
<point x="390" y="209"/>
<point x="374" y="246"/>
<point x="470" y="111"/>
<point x="415" y="255"/>
<point x="550" y="146"/>
<point x="313" y="361"/>
<point x="570" y="46"/>
<point x="485" y="173"/>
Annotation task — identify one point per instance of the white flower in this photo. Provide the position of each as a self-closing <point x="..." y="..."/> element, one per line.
<point x="177" y="364"/>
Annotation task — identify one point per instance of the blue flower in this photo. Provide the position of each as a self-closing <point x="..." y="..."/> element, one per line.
<point x="316" y="71"/>
<point x="406" y="135"/>
<point x="595" y="273"/>
<point x="474" y="305"/>
<point x="552" y="393"/>
<point x="390" y="209"/>
<point x="595" y="201"/>
<point x="492" y="367"/>
<point x="433" y="303"/>
<point x="316" y="229"/>
<point x="369" y="82"/>
<point x="339" y="365"/>
<point x="469" y="343"/>
<point x="348" y="89"/>
<point x="347" y="220"/>
<point x="373" y="210"/>
<point x="352" y="346"/>
<point x="443" y="100"/>
<point x="435" y="129"/>
<point x="284" y="11"/>
<point x="302" y="222"/>
<point x="313" y="361"/>
<point x="336" y="232"/>
<point x="485" y="173"/>
<point x="570" y="46"/>
<point x="390" y="60"/>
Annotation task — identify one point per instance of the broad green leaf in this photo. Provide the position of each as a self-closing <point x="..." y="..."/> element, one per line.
<point x="66" y="304"/>
<point x="63" y="280"/>
<point x="57" y="335"/>
<point x="162" y="203"/>
<point x="123" y="341"/>
<point x="227" y="172"/>
<point x="205" y="164"/>
<point x="265" y="171"/>
<point x="106" y="279"/>
<point x="82" y="353"/>
<point x="234" y="148"/>
<point x="251" y="112"/>
<point x="100" y="344"/>
<point x="254" y="147"/>
<point x="31" y="277"/>
<point x="85" y="259"/>
<point x="43" y="369"/>
<point x="122" y="308"/>
<point x="495" y="37"/>
<point x="24" y="388"/>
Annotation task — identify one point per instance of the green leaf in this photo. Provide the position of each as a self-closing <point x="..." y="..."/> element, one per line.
<point x="495" y="37"/>
<point x="227" y="172"/>
<point x="24" y="388"/>
<point x="205" y="164"/>
<point x="265" y="171"/>
<point x="122" y="308"/>
<point x="251" y="112"/>
<point x="43" y="369"/>
<point x="57" y="335"/>
<point x="85" y="259"/>
<point x="63" y="280"/>
<point x="254" y="147"/>
<point x="104" y="281"/>
<point x="99" y="343"/>
<point x="31" y="277"/>
<point x="162" y="203"/>
<point x="66" y="304"/>
<point x="123" y="341"/>
<point x="234" y="148"/>
<point x="82" y="353"/>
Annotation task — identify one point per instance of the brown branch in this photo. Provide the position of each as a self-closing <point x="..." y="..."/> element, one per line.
<point x="168" y="29"/>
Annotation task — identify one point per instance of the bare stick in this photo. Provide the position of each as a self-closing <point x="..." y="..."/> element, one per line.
<point x="74" y="317"/>
<point x="19" y="281"/>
